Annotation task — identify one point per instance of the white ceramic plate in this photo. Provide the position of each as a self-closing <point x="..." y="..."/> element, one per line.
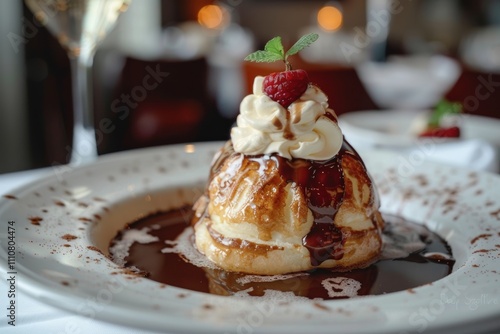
<point x="79" y="210"/>
<point x="393" y="128"/>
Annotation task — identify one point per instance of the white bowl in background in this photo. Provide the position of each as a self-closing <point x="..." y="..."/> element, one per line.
<point x="481" y="50"/>
<point x="409" y="82"/>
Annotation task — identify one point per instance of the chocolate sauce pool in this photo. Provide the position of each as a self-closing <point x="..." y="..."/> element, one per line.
<point x="432" y="262"/>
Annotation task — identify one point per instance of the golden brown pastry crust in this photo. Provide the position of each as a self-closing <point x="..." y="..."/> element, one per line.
<point x="253" y="220"/>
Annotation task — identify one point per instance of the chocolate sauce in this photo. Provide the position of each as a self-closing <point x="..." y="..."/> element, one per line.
<point x="323" y="186"/>
<point x="382" y="277"/>
<point x="287" y="131"/>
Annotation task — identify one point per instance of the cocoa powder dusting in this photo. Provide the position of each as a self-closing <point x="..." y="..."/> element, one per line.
<point x="95" y="249"/>
<point x="495" y="214"/>
<point x="35" y="220"/>
<point x="481" y="236"/>
<point x="10" y="196"/>
<point x="321" y="306"/>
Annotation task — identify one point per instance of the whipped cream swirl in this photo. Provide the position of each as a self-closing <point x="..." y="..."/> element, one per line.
<point x="303" y="131"/>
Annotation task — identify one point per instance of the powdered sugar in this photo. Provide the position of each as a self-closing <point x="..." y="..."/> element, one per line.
<point x="341" y="287"/>
<point x="184" y="246"/>
<point x="258" y="278"/>
<point x="120" y="249"/>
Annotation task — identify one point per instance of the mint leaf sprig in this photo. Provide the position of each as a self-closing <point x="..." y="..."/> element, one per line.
<point x="443" y="108"/>
<point x="274" y="50"/>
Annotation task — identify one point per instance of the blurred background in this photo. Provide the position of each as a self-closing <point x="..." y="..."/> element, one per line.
<point x="191" y="51"/>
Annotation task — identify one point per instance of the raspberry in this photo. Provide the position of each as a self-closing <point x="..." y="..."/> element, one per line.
<point x="286" y="87"/>
<point x="452" y="132"/>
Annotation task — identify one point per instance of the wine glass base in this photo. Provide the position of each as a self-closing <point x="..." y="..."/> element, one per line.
<point x="84" y="148"/>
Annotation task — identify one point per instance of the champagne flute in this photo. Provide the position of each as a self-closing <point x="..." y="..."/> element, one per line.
<point x="79" y="26"/>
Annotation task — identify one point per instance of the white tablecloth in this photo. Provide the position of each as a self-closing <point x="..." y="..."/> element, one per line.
<point x="33" y="316"/>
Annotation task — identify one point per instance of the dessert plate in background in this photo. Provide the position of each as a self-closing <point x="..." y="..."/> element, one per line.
<point x="394" y="128"/>
<point x="65" y="221"/>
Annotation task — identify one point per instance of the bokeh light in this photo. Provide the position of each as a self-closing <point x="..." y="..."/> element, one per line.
<point x="330" y="18"/>
<point x="213" y="17"/>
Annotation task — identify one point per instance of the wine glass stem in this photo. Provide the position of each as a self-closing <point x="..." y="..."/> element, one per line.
<point x="84" y="146"/>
